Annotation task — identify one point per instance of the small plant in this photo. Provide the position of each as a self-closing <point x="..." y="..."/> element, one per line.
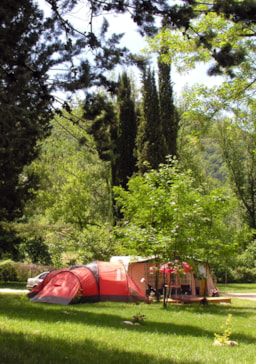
<point x="224" y="338"/>
<point x="138" y="318"/>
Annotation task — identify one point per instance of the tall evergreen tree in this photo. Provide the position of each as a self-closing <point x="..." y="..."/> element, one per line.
<point x="32" y="46"/>
<point x="168" y="114"/>
<point x="150" y="141"/>
<point x="24" y="97"/>
<point x="100" y="112"/>
<point x="127" y="130"/>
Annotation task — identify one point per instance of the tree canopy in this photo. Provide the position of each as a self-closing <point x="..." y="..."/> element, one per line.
<point x="167" y="214"/>
<point x="42" y="54"/>
<point x="24" y="97"/>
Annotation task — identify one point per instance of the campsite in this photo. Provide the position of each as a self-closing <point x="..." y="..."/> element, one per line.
<point x="128" y="279"/>
<point x="127" y="181"/>
<point x="54" y="324"/>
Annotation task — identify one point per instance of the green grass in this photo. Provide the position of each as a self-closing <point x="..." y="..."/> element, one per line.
<point x="13" y="285"/>
<point x="238" y="288"/>
<point x="94" y="334"/>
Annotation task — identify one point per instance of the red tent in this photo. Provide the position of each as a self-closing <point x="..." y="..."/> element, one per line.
<point x="97" y="281"/>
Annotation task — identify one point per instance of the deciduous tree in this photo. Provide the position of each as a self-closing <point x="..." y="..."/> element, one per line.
<point x="166" y="213"/>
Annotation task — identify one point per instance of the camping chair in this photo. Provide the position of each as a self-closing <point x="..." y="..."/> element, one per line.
<point x="174" y="287"/>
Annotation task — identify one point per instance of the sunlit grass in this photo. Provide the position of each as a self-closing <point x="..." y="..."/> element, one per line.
<point x="238" y="287"/>
<point x="94" y="333"/>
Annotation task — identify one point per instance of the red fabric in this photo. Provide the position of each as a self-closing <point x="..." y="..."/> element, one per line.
<point x="89" y="286"/>
<point x="112" y="279"/>
<point x="98" y="281"/>
<point x="64" y="284"/>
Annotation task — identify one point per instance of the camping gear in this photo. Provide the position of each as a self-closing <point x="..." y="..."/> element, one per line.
<point x="96" y="281"/>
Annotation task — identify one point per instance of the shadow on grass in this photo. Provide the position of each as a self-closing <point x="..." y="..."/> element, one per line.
<point x="34" y="348"/>
<point x="19" y="308"/>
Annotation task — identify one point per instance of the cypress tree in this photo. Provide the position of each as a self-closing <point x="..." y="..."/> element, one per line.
<point x="150" y="141"/>
<point x="127" y="130"/>
<point x="168" y="113"/>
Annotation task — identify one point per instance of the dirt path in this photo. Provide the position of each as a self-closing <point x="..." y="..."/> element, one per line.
<point x="11" y="290"/>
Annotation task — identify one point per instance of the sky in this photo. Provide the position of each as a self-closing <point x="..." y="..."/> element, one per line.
<point x="133" y="41"/>
<point x="136" y="43"/>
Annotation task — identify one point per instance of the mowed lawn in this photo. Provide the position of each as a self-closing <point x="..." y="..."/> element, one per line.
<point x="237" y="287"/>
<point x="94" y="333"/>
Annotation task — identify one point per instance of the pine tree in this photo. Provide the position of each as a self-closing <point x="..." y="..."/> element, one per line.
<point x="168" y="113"/>
<point x="127" y="130"/>
<point x="150" y="141"/>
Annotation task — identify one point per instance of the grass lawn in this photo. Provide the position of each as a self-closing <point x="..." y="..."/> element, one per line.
<point x="238" y="288"/>
<point x="34" y="333"/>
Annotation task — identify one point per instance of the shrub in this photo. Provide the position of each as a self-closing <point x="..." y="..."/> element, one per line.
<point x="20" y="272"/>
<point x="35" y="250"/>
<point x="245" y="275"/>
<point x="8" y="273"/>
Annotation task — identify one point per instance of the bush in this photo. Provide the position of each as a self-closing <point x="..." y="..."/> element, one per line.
<point x="35" y="250"/>
<point x="26" y="271"/>
<point x="244" y="275"/>
<point x="20" y="272"/>
<point x="8" y="273"/>
<point x="239" y="273"/>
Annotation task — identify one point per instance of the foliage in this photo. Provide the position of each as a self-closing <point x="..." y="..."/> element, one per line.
<point x="93" y="243"/>
<point x="39" y="55"/>
<point x="24" y="98"/>
<point x="238" y="148"/>
<point x="225" y="336"/>
<point x="213" y="33"/>
<point x="8" y="272"/>
<point x="73" y="195"/>
<point x="35" y="250"/>
<point x="244" y="267"/>
<point x="167" y="110"/>
<point x="150" y="141"/>
<point x="127" y="130"/>
<point x="19" y="272"/>
<point x="73" y="192"/>
<point x="56" y="247"/>
<point x="73" y="189"/>
<point x="9" y="247"/>
<point x="99" y="111"/>
<point x="138" y="317"/>
<point x="167" y="214"/>
<point x="228" y="112"/>
<point x="57" y="41"/>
